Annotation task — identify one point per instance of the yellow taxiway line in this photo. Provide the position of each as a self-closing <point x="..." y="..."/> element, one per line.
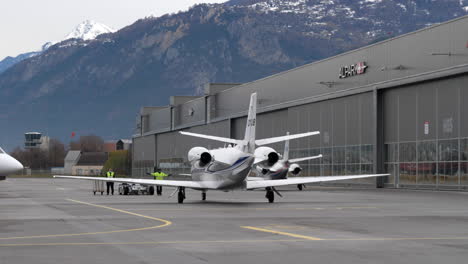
<point x="281" y="233"/>
<point x="164" y="223"/>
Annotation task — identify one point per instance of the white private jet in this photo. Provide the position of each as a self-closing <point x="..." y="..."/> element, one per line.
<point x="8" y="164"/>
<point x="227" y="168"/>
<point x="270" y="165"/>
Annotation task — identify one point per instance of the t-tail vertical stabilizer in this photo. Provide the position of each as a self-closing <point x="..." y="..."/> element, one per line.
<point x="249" y="139"/>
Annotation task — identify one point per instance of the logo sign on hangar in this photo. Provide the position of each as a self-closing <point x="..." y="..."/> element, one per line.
<point x="353" y="69"/>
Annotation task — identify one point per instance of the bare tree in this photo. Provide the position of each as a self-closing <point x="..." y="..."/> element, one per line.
<point x="42" y="159"/>
<point x="32" y="158"/>
<point x="90" y="143"/>
<point x="57" y="153"/>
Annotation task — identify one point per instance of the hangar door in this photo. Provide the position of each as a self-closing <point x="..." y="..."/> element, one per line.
<point x="425" y="137"/>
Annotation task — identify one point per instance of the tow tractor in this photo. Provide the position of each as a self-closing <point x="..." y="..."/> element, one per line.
<point x="135" y="189"/>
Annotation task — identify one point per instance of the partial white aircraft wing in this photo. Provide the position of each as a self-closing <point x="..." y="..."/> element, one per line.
<point x="255" y="178"/>
<point x="188" y="184"/>
<point x="306" y="158"/>
<point x="303" y="180"/>
<point x="222" y="139"/>
<point x="266" y="141"/>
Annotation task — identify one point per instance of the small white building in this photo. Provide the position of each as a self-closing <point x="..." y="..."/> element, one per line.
<point x="71" y="160"/>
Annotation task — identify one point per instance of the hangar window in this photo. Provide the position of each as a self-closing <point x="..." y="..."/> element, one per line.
<point x="352" y="154"/>
<point x="367" y="168"/>
<point x="391" y="151"/>
<point x="314" y="170"/>
<point x="448" y="170"/>
<point x="326" y="159"/>
<point x="408" y="172"/>
<point x="407" y="152"/>
<point x="339" y="155"/>
<point x="448" y="150"/>
<point x="427" y="151"/>
<point x="339" y="170"/>
<point x="427" y="173"/>
<point x="353" y="169"/>
<point x="327" y="170"/>
<point x="367" y="154"/>
<point x="464" y="149"/>
<point x="464" y="173"/>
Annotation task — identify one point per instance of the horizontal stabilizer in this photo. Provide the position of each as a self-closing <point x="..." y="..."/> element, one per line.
<point x="266" y="141"/>
<point x="304" y="180"/>
<point x="306" y="158"/>
<point x="222" y="139"/>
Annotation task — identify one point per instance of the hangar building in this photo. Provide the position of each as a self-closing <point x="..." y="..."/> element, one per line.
<point x="399" y="106"/>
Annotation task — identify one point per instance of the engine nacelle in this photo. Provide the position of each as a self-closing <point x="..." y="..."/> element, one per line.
<point x="295" y="169"/>
<point x="201" y="154"/>
<point x="268" y="155"/>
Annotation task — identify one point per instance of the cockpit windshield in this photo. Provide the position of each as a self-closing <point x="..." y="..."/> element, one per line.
<point x="1" y="151"/>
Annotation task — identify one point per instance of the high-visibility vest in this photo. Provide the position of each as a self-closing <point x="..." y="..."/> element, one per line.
<point x="110" y="174"/>
<point x="159" y="175"/>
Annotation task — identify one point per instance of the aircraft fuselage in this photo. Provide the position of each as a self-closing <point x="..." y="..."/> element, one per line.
<point x="228" y="170"/>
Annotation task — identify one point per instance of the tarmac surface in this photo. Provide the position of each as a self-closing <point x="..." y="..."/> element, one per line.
<point x="61" y="221"/>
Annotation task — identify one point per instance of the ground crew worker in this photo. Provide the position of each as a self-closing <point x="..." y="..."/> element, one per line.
<point x="110" y="185"/>
<point x="158" y="175"/>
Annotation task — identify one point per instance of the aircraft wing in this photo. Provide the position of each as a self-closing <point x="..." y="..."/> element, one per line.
<point x="255" y="178"/>
<point x="188" y="184"/>
<point x="303" y="180"/>
<point x="222" y="139"/>
<point x="266" y="141"/>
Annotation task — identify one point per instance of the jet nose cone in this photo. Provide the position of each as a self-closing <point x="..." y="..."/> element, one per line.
<point x="10" y="166"/>
<point x="18" y="166"/>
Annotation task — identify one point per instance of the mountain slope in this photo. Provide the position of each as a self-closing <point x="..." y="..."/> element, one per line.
<point x="10" y="61"/>
<point x="86" y="30"/>
<point x="97" y="86"/>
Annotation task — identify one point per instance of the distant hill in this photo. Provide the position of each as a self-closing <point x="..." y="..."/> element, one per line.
<point x="97" y="86"/>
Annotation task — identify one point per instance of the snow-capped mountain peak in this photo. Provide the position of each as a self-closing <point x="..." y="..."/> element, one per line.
<point x="89" y="30"/>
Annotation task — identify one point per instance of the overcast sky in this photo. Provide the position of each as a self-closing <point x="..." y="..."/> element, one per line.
<point x="27" y="24"/>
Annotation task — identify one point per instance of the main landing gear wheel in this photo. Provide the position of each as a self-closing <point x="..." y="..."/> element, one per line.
<point x="181" y="195"/>
<point x="151" y="190"/>
<point x="270" y="195"/>
<point x="299" y="187"/>
<point x="203" y="196"/>
<point x="159" y="190"/>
